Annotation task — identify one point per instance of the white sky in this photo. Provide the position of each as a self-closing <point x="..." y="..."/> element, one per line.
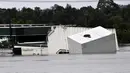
<point x="43" y="5"/>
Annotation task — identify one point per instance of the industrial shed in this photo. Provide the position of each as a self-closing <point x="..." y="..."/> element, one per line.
<point x="97" y="40"/>
<point x="57" y="37"/>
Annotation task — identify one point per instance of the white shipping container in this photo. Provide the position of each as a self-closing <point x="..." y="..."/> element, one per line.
<point x="97" y="40"/>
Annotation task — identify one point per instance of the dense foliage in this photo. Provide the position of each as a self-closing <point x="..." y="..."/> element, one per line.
<point x="109" y="16"/>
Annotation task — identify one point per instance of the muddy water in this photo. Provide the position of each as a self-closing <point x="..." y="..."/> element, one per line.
<point x="96" y="63"/>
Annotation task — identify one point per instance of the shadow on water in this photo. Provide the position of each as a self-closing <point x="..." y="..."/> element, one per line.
<point x="124" y="48"/>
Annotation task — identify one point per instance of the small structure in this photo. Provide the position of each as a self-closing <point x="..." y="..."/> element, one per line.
<point x="27" y="50"/>
<point x="94" y="41"/>
<point x="62" y="51"/>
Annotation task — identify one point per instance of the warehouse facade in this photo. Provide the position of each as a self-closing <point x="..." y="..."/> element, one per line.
<point x="34" y="39"/>
<point x="28" y="39"/>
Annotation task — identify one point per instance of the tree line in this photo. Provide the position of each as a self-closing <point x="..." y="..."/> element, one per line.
<point x="108" y="16"/>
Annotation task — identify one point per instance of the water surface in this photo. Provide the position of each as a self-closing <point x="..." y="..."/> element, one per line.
<point x="95" y="63"/>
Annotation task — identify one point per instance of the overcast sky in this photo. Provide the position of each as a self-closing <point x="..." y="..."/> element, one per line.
<point x="43" y="5"/>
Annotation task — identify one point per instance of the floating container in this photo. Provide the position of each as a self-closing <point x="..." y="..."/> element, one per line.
<point x="94" y="41"/>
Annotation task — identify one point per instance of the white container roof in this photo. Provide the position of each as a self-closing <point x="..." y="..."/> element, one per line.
<point x="95" y="33"/>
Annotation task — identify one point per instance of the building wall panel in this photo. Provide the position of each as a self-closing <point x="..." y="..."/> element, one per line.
<point x="74" y="47"/>
<point x="103" y="45"/>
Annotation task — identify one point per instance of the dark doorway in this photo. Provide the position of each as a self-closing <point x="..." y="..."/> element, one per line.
<point x="31" y="38"/>
<point x="17" y="51"/>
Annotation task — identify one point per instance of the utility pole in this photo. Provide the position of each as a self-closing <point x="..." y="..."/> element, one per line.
<point x="41" y="49"/>
<point x="10" y="35"/>
<point x="11" y="44"/>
